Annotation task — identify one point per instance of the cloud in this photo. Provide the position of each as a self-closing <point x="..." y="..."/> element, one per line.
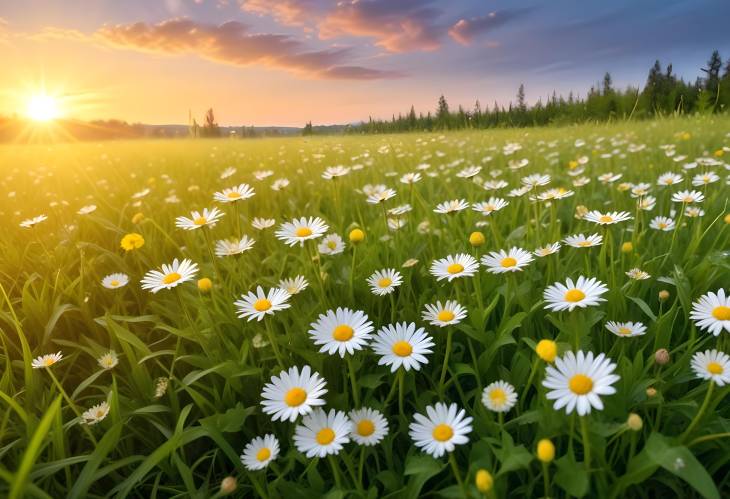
<point x="233" y="43"/>
<point x="288" y="12"/>
<point x="465" y="30"/>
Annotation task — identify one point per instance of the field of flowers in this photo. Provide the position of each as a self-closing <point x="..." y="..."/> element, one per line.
<point x="540" y="313"/>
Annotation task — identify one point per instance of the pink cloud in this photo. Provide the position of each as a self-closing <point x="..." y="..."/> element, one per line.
<point x="465" y="30"/>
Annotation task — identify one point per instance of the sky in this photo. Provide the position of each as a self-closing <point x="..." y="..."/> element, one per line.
<point x="286" y="62"/>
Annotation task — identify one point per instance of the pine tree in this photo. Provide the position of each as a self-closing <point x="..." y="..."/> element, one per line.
<point x="521" y="105"/>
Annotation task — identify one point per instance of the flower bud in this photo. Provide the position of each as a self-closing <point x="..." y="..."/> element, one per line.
<point x="663" y="295"/>
<point x="661" y="357"/>
<point x="627" y="247"/>
<point x="484" y="481"/>
<point x="545" y="450"/>
<point x="138" y="217"/>
<point x="727" y="218"/>
<point x="228" y="485"/>
<point x="651" y="392"/>
<point x="547" y="350"/>
<point x="634" y="422"/>
<point x="477" y="239"/>
<point x="205" y="284"/>
<point x="357" y="236"/>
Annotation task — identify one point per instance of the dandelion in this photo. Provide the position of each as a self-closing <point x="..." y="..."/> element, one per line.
<point x="547" y="350"/>
<point x="499" y="396"/>
<point x="132" y="241"/>
<point x="114" y="281"/>
<point x="441" y="429"/>
<point x="259" y="452"/>
<point x="503" y="261"/>
<point x="384" y="282"/>
<point x="402" y="345"/>
<point x="256" y="306"/>
<point x="444" y="315"/>
<point x="369" y="426"/>
<point x="584" y="292"/>
<point x="170" y="276"/>
<point x="453" y="266"/>
<point x="301" y="229"/>
<point x="46" y="360"/>
<point x="293" y="393"/>
<point x="712" y="312"/>
<point x="95" y="414"/>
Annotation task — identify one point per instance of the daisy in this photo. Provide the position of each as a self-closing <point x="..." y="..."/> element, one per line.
<point x="259" y="452"/>
<point x="369" y="426"/>
<point x="499" y="396"/>
<point x="441" y="429"/>
<point x="646" y="203"/>
<point x="171" y="275"/>
<point x="262" y="223"/>
<point x="547" y="250"/>
<point x="469" y="171"/>
<point x="453" y="206"/>
<point x="85" y="210"/>
<point x="638" y="274"/>
<point x="581" y="241"/>
<point x="228" y="172"/>
<point x="321" y="434"/>
<point x="609" y="177"/>
<point x="557" y="193"/>
<point x="495" y="185"/>
<point x="403" y="345"/>
<point x="688" y="197"/>
<point x="507" y="261"/>
<point x="693" y="212"/>
<point x="341" y="331"/>
<point x="444" y="315"/>
<point x="197" y="219"/>
<point x="46" y="360"/>
<point x="381" y="196"/>
<point x="453" y="266"/>
<point x="712" y="312"/>
<point x="384" y="282"/>
<point x="665" y="224"/>
<point x="29" y="223"/>
<point x="233" y="194"/>
<point x="639" y="190"/>
<point x="332" y="172"/>
<point x="400" y="210"/>
<point x="292" y="394"/>
<point x="279" y="184"/>
<point x="108" y="360"/>
<point x="258" y="305"/>
<point x="332" y="244"/>
<point x="704" y="179"/>
<point x="576" y="381"/>
<point x="301" y="229"/>
<point x="294" y="285"/>
<point x="410" y="178"/>
<point x="713" y="365"/>
<point x="582" y="293"/>
<point x="262" y="174"/>
<point x="230" y="247"/>
<point x="535" y="180"/>
<point x="113" y="281"/>
<point x="607" y="218"/>
<point x="669" y="179"/>
<point x="626" y="329"/>
<point x="491" y="205"/>
<point x="95" y="414"/>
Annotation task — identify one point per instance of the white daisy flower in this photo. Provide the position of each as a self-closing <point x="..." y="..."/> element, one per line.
<point x="453" y="266"/>
<point x="369" y="426"/>
<point x="262" y="223"/>
<point x="85" y="210"/>
<point x="403" y="345"/>
<point x="384" y="282"/>
<point x="547" y="250"/>
<point x="331" y="244"/>
<point x="108" y="360"/>
<point x="499" y="396"/>
<point x="713" y="365"/>
<point x="557" y="193"/>
<point x="693" y="212"/>
<point x="46" y="360"/>
<point x="197" y="219"/>
<point x="301" y="229"/>
<point x="280" y="184"/>
<point x="637" y="274"/>
<point x="665" y="224"/>
<point x="31" y="222"/>
<point x="688" y="197"/>
<point x="233" y="194"/>
<point x="608" y="178"/>
<point x="453" y="206"/>
<point x="292" y="394"/>
<point x="535" y="180"/>
<point x="260" y="304"/>
<point x="294" y="285"/>
<point x="228" y="172"/>
<point x="704" y="179"/>
<point x="469" y="171"/>
<point x="341" y="331"/>
<point x="581" y="241"/>
<point x="410" y="178"/>
<point x="321" y="434"/>
<point x="582" y="293"/>
<point x="646" y="203"/>
<point x="503" y="261"/>
<point x="441" y="429"/>
<point x="607" y="218"/>
<point x="113" y="281"/>
<point x="230" y="247"/>
<point x="170" y="275"/>
<point x="380" y="196"/>
<point x="259" y="452"/>
<point x="577" y="381"/>
<point x="490" y="206"/>
<point x="712" y="312"/>
<point x="444" y="315"/>
<point x="95" y="414"/>
<point x="669" y="178"/>
<point x="626" y="329"/>
<point x="332" y="172"/>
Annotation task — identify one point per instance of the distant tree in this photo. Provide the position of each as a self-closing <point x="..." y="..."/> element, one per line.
<point x="195" y="129"/>
<point x="607" y="84"/>
<point x="307" y="130"/>
<point x="521" y="104"/>
<point x="210" y="128"/>
<point x="442" y="112"/>
<point x="712" y="80"/>
<point x="412" y="120"/>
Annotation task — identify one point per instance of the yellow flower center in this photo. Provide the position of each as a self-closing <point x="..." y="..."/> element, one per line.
<point x="331" y="245"/>
<point x="714" y="368"/>
<point x="365" y="428"/>
<point x="304" y="232"/>
<point x="584" y="243"/>
<point x="721" y="313"/>
<point x="445" y="316"/>
<point x="508" y="262"/>
<point x="574" y="295"/>
<point x="100" y="413"/>
<point x="402" y="348"/>
<point x="325" y="436"/>
<point x="200" y="221"/>
<point x="662" y="225"/>
<point x="605" y="219"/>
<point x="455" y="268"/>
<point x="442" y="432"/>
<point x="669" y="181"/>
<point x="688" y="199"/>
<point x="264" y="453"/>
<point x="624" y="330"/>
<point x="580" y="384"/>
<point x="498" y="396"/>
<point x="235" y="195"/>
<point x="49" y="361"/>
<point x="295" y="397"/>
<point x="262" y="305"/>
<point x="171" y="277"/>
<point x="114" y="283"/>
<point x="385" y="282"/>
<point x="343" y="332"/>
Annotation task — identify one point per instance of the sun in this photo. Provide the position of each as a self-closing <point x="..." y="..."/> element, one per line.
<point x="43" y="107"/>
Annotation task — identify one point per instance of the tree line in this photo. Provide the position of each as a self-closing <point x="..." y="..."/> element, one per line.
<point x="663" y="94"/>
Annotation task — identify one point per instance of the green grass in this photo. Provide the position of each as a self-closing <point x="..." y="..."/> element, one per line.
<point x="184" y="443"/>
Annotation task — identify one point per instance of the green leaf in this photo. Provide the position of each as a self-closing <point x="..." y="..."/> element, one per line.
<point x="103" y="448"/>
<point x="571" y="476"/>
<point x="643" y="306"/>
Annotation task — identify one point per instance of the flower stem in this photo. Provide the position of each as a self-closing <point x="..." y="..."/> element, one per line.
<point x="546" y="479"/>
<point x="335" y="471"/>
<point x="457" y="475"/>
<point x="274" y="346"/>
<point x="442" y="379"/>
<point x="699" y="414"/>
<point x="586" y="442"/>
<point x="353" y="381"/>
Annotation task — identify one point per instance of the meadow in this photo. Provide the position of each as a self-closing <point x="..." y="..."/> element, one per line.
<point x="528" y="312"/>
